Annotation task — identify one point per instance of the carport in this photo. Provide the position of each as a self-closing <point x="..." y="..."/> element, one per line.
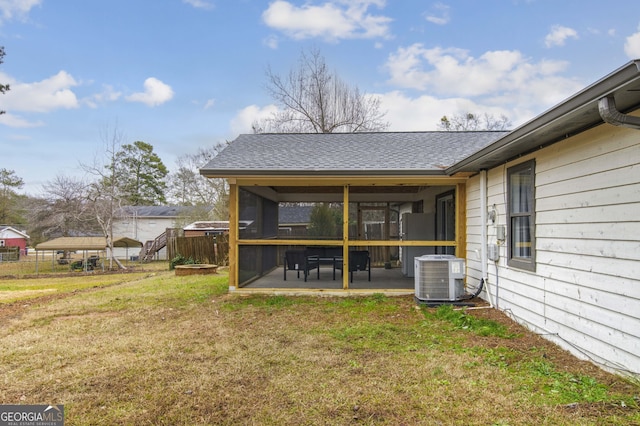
<point x="85" y="245"/>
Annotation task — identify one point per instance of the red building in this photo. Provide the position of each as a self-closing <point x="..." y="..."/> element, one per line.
<point x="11" y="237"/>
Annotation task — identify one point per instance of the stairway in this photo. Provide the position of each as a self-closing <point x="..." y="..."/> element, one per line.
<point x="152" y="247"/>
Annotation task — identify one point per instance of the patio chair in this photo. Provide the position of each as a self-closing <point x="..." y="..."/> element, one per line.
<point x="299" y="260"/>
<point x="359" y="260"/>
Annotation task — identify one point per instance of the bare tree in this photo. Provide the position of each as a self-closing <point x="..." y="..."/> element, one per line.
<point x="472" y="122"/>
<point x="104" y="194"/>
<point x="188" y="187"/>
<point x="312" y="99"/>
<point x="63" y="209"/>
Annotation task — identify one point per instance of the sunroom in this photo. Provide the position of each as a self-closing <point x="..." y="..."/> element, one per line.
<point x="376" y="201"/>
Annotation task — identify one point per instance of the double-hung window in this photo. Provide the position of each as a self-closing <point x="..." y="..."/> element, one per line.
<point x="521" y="215"/>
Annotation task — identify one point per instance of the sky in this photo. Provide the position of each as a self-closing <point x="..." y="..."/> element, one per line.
<point x="188" y="74"/>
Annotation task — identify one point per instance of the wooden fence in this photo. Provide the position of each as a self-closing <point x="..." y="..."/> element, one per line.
<point x="9" y="254"/>
<point x="211" y="249"/>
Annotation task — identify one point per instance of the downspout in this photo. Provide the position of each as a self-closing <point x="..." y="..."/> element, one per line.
<point x="611" y="115"/>
<point x="484" y="240"/>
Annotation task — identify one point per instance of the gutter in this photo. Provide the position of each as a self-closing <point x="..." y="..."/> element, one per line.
<point x="610" y="114"/>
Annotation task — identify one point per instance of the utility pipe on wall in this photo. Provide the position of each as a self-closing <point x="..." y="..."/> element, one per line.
<point x="484" y="240"/>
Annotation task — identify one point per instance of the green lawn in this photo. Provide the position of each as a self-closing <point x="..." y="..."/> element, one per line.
<point x="153" y="348"/>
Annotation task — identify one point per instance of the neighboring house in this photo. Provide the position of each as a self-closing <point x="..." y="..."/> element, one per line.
<point x="11" y="237"/>
<point x="548" y="215"/>
<point x="293" y="220"/>
<point x="203" y="228"/>
<point x="146" y="223"/>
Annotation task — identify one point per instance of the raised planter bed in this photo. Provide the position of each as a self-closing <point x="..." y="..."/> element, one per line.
<point x="202" y="269"/>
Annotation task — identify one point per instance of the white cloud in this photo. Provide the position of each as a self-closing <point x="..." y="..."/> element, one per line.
<point x="497" y="82"/>
<point x="12" y="120"/>
<point x="271" y="42"/>
<point x="155" y="93"/>
<point x="559" y="35"/>
<point x="333" y="20"/>
<point x="16" y="9"/>
<point x="441" y="15"/>
<point x="423" y="113"/>
<point x="632" y="46"/>
<point x="453" y="72"/>
<point x="200" y="4"/>
<point x="210" y="103"/>
<point x="43" y="96"/>
<point x="243" y="121"/>
<point x="108" y="94"/>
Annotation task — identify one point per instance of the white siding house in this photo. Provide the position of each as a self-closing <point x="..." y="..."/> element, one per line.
<point x="146" y="223"/>
<point x="583" y="290"/>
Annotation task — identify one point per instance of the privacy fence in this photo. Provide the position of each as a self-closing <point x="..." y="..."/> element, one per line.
<point x="211" y="249"/>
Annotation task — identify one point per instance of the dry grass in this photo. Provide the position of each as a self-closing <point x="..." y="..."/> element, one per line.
<point x="30" y="267"/>
<point x="159" y="349"/>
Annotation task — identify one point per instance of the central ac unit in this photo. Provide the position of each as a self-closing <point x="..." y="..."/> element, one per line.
<point x="439" y="277"/>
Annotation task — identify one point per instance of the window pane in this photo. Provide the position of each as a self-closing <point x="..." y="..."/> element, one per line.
<point x="521" y="190"/>
<point x="521" y="237"/>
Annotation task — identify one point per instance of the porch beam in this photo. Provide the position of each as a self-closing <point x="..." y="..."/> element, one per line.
<point x="349" y="243"/>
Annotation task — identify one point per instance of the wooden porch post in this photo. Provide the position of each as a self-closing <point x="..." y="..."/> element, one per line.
<point x="345" y="238"/>
<point x="387" y="232"/>
<point x="233" y="234"/>
<point x="461" y="220"/>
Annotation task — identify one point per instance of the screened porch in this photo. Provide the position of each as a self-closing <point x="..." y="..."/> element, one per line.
<point x="391" y="220"/>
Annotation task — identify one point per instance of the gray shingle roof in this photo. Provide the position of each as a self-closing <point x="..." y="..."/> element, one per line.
<point x="294" y="214"/>
<point x="154" y="211"/>
<point x="348" y="153"/>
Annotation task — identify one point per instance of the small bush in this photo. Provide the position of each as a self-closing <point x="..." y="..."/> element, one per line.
<point x="181" y="260"/>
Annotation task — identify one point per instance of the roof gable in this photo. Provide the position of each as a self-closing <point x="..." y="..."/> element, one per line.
<point x="10" y="232"/>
